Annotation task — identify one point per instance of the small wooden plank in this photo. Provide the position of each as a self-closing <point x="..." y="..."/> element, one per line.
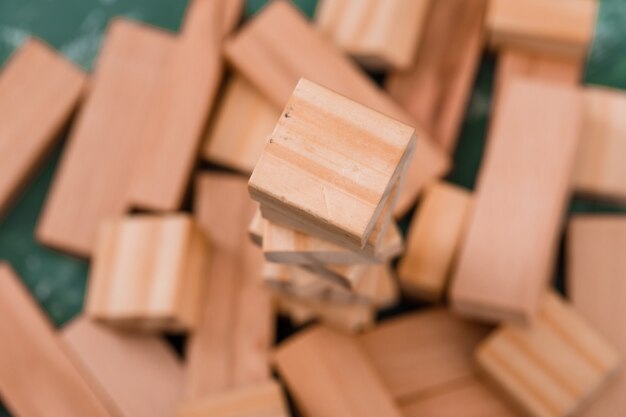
<point x="510" y="245"/>
<point x="379" y="35"/>
<point x="433" y="241"/>
<point x="148" y="273"/>
<point x="596" y="267"/>
<point x="437" y="86"/>
<point x="92" y="181"/>
<point x="39" y="90"/>
<point x="551" y="367"/>
<point x="140" y="375"/>
<point x="268" y="51"/>
<point x="37" y="376"/>
<point x="329" y="375"/>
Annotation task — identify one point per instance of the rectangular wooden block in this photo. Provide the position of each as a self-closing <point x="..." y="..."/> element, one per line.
<point x="595" y="280"/>
<point x="433" y="241"/>
<point x="148" y="273"/>
<point x="93" y="178"/>
<point x="436" y="88"/>
<point x="509" y="249"/>
<point x="268" y="51"/>
<point x="551" y="367"/>
<point x="37" y="376"/>
<point x="38" y="92"/>
<point x="379" y="35"/>
<point x="140" y="375"/>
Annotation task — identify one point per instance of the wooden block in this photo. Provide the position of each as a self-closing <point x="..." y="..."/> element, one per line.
<point x="379" y="35"/>
<point x="37" y="376"/>
<point x="552" y="366"/>
<point x="595" y="280"/>
<point x="148" y="273"/>
<point x="38" y="92"/>
<point x="297" y="313"/>
<point x="230" y="352"/>
<point x="329" y="375"/>
<point x="93" y="178"/>
<point x="434" y="238"/>
<point x="255" y="229"/>
<point x="140" y="375"/>
<point x="436" y="88"/>
<point x="509" y="249"/>
<point x="268" y="51"/>
<point x="234" y="144"/>
<point x="560" y="27"/>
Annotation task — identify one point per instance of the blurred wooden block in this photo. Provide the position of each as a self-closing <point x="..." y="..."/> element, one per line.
<point x="330" y="375"/>
<point x="433" y="241"/>
<point x="379" y="34"/>
<point x="234" y="144"/>
<point x="140" y="375"/>
<point x="92" y="181"/>
<point x="551" y="367"/>
<point x="596" y="267"/>
<point x="39" y="90"/>
<point x="436" y="88"/>
<point x="148" y="273"/>
<point x="509" y="249"/>
<point x="255" y="229"/>
<point x="559" y="27"/>
<point x="268" y="51"/>
<point x="37" y="376"/>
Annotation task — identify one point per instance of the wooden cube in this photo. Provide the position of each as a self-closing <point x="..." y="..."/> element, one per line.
<point x="148" y="273"/>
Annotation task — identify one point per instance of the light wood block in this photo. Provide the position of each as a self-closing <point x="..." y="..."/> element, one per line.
<point x="148" y="273"/>
<point x="255" y="229"/>
<point x="436" y="88"/>
<point x="329" y="375"/>
<point x="140" y="375"/>
<point x="433" y="241"/>
<point x="268" y="51"/>
<point x="234" y="144"/>
<point x="552" y="366"/>
<point x="559" y="27"/>
<point x="38" y="92"/>
<point x="379" y="34"/>
<point x="509" y="250"/>
<point x="595" y="279"/>
<point x="37" y="376"/>
<point x="93" y="178"/>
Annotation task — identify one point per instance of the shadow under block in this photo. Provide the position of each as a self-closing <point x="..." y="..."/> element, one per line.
<point x="434" y="237"/>
<point x="329" y="375"/>
<point x="551" y="367"/>
<point x="510" y="246"/>
<point x="559" y="27"/>
<point x="596" y="267"/>
<point x="140" y="375"/>
<point x="38" y="376"/>
<point x="39" y="90"/>
<point x="148" y="273"/>
<point x="268" y="51"/>
<point x="436" y="88"/>
<point x="380" y="35"/>
<point x="100" y="157"/>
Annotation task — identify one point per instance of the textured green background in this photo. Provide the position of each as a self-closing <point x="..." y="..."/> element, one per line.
<point x="75" y="27"/>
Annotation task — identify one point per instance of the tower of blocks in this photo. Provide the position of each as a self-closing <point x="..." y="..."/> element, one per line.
<point x="326" y="183"/>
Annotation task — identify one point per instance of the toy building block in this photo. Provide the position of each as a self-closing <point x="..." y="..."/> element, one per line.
<point x="436" y="88"/>
<point x="39" y="90"/>
<point x="379" y="35"/>
<point x="510" y="245"/>
<point x="552" y="366"/>
<point x="234" y="144"/>
<point x="92" y="181"/>
<point x="139" y="374"/>
<point x="148" y="273"/>
<point x="595" y="280"/>
<point x="433" y="241"/>
<point x="255" y="230"/>
<point x="38" y="378"/>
